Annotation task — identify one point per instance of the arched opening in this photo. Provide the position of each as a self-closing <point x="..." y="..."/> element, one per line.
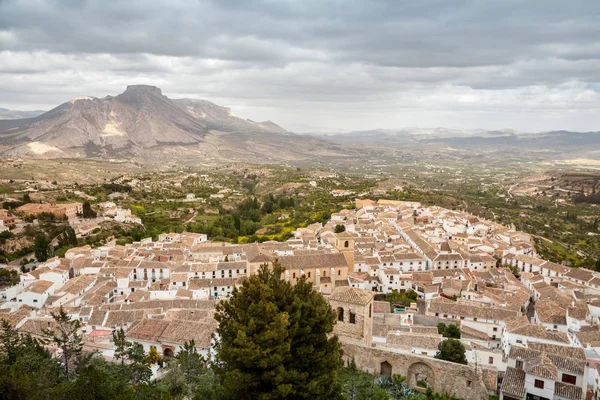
<point x="346" y="243"/>
<point x="340" y="314"/>
<point x="420" y="376"/>
<point x="386" y="369"/>
<point x="168" y="353"/>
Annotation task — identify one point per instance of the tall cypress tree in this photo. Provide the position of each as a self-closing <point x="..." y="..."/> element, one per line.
<point x="272" y="341"/>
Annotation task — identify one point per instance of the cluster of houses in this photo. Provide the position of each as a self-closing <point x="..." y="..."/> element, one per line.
<point x="538" y="329"/>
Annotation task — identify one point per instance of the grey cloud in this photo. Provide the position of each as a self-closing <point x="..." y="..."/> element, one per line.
<point x="293" y="58"/>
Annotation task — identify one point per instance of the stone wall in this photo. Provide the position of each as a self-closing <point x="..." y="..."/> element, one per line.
<point x="463" y="381"/>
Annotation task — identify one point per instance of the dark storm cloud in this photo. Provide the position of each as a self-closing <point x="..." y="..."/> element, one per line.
<point x="397" y="54"/>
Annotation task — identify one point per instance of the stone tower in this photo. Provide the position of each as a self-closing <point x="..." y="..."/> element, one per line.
<point x="354" y="313"/>
<point x="344" y="242"/>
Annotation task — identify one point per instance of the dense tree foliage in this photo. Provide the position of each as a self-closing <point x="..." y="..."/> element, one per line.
<point x="41" y="247"/>
<point x="29" y="371"/>
<point x="88" y="212"/>
<point x="339" y="228"/>
<point x="452" y="350"/>
<point x="397" y="298"/>
<point x="449" y="331"/>
<point x="8" y="277"/>
<point x="272" y="341"/>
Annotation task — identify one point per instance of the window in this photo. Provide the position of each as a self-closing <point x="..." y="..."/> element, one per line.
<point x="369" y="311"/>
<point x="309" y="274"/>
<point x="572" y="379"/>
<point x="468" y="383"/>
<point x="340" y="314"/>
<point x="490" y="360"/>
<point x="519" y="341"/>
<point x="495" y="329"/>
<point x="539" y="383"/>
<point x="352" y="318"/>
<point x="35" y="300"/>
<point x="294" y="275"/>
<point x="339" y="272"/>
<point x="519" y="364"/>
<point x="346" y="244"/>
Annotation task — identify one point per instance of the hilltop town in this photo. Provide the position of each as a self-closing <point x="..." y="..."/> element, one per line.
<point x="528" y="325"/>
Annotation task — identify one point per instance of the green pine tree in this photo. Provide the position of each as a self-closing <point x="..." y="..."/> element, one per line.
<point x="452" y="350"/>
<point x="41" y="247"/>
<point x="272" y="341"/>
<point x="120" y="342"/>
<point x="65" y="335"/>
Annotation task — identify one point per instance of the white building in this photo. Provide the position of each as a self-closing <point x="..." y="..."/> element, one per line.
<point x="36" y="294"/>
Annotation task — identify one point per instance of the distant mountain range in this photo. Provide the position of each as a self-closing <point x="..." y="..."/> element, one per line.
<point x="143" y="124"/>
<point x="481" y="140"/>
<point x="15" y="114"/>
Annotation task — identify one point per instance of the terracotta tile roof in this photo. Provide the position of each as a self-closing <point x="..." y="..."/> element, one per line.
<point x="313" y="261"/>
<point x="14" y="318"/>
<point x="36" y="326"/>
<point x="147" y="330"/>
<point x="537" y="331"/>
<point x="181" y="292"/>
<point x="470" y="333"/>
<point x="413" y="339"/>
<point x="77" y="284"/>
<point x="138" y="295"/>
<point x="541" y="366"/>
<point x="513" y="383"/>
<point x="562" y="357"/>
<point x="97" y="317"/>
<point x="39" y="287"/>
<point x="179" y="332"/>
<point x="567" y="390"/>
<point x="381" y="307"/>
<point x="580" y="274"/>
<point x="575" y="353"/>
<point x="579" y="311"/>
<point x="550" y="312"/>
<point x="445" y="306"/>
<point x="561" y="269"/>
<point x="351" y="295"/>
<point x="589" y="337"/>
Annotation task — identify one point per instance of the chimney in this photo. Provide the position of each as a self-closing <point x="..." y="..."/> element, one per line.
<point x="333" y="276"/>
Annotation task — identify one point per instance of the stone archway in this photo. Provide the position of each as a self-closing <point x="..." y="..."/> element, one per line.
<point x="385" y="369"/>
<point x="420" y="376"/>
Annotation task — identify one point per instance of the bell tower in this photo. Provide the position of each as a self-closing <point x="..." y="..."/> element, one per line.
<point x="344" y="242"/>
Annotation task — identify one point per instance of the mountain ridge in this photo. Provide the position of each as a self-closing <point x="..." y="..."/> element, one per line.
<point x="141" y="123"/>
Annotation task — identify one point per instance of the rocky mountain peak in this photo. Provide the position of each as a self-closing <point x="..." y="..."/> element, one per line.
<point x="143" y="89"/>
<point x="136" y="94"/>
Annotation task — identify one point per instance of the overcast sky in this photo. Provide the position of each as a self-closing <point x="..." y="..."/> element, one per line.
<point x="358" y="64"/>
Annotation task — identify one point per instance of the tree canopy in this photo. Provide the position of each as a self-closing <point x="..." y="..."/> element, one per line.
<point x="452" y="350"/>
<point x="449" y="331"/>
<point x="272" y="341"/>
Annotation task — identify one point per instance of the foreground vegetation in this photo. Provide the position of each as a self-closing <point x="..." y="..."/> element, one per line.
<point x="272" y="343"/>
